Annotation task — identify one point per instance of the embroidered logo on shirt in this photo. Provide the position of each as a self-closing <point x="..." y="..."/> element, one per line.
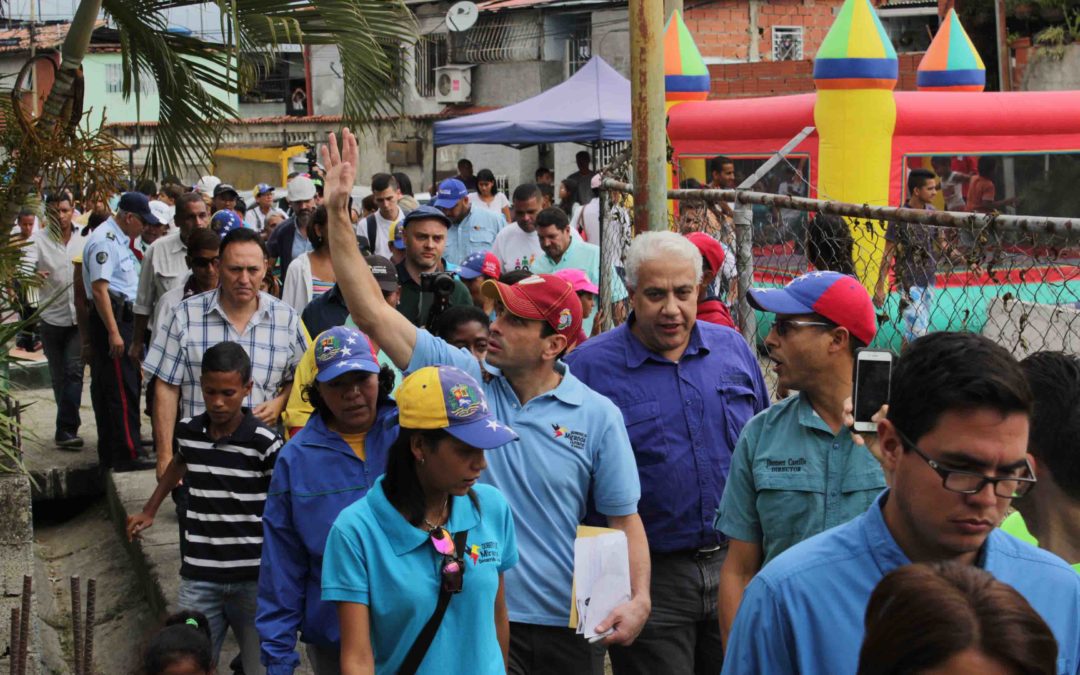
<point x="789" y="465"/>
<point x="577" y="438"/>
<point x="488" y="552"/>
<point x="101" y="257"/>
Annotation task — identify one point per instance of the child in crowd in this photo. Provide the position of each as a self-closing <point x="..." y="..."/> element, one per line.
<point x="225" y="457"/>
<point x="182" y="646"/>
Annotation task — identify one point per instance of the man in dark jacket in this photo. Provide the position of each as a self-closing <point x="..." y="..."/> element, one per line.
<point x="290" y="239"/>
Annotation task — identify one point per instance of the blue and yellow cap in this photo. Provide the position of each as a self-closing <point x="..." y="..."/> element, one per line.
<point x="448" y="398"/>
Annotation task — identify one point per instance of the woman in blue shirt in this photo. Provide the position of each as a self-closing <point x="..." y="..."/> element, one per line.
<point x="427" y="529"/>
<point x="326" y="466"/>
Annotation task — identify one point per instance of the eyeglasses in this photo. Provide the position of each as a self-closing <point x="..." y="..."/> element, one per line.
<point x="451" y="567"/>
<point x="971" y="482"/>
<point x="784" y="326"/>
<point x="197" y="261"/>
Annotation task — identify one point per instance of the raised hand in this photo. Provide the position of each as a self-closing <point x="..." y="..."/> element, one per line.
<point x="340" y="166"/>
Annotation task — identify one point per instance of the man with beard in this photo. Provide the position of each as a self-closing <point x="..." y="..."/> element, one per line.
<point x="471" y="230"/>
<point x="290" y="239"/>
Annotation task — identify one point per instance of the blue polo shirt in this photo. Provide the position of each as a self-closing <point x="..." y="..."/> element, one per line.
<point x="683" y="420"/>
<point x="375" y="557"/>
<point x="581" y="255"/>
<point x="572" y="446"/>
<point x="476" y="232"/>
<point x="107" y="255"/>
<point x="803" y="613"/>
<point x="792" y="478"/>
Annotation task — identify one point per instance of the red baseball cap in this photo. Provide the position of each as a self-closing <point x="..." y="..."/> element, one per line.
<point x="837" y="297"/>
<point x="710" y="249"/>
<point x="541" y="297"/>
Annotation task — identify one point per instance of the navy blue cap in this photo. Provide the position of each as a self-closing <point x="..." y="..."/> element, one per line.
<point x="139" y="204"/>
<point x="424" y="213"/>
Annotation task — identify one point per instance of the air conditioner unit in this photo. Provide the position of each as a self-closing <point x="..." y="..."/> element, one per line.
<point x="453" y="84"/>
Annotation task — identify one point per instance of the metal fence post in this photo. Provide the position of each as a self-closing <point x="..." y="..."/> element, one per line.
<point x="744" y="263"/>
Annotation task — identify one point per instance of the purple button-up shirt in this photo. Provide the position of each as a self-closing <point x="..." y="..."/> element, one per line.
<point x="683" y="419"/>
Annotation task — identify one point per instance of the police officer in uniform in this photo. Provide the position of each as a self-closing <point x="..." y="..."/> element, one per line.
<point x="111" y="278"/>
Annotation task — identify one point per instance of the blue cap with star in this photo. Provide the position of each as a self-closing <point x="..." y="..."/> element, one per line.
<point x="341" y="350"/>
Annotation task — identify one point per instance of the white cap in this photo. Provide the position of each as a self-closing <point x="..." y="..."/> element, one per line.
<point x="162" y="211"/>
<point x="300" y="189"/>
<point x="207" y="184"/>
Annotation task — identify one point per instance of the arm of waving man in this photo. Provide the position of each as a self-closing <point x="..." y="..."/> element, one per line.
<point x="382" y="323"/>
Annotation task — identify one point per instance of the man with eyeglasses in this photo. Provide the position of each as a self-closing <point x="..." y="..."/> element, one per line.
<point x="796" y="470"/>
<point x="954" y="443"/>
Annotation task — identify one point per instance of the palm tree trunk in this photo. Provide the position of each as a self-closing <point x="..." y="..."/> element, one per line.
<point x="76" y="44"/>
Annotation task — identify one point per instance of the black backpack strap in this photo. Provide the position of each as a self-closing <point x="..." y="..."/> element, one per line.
<point x="427" y="634"/>
<point x="372" y="231"/>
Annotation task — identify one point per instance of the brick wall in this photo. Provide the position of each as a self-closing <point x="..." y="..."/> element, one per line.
<point x="721" y="28"/>
<point x="776" y="78"/>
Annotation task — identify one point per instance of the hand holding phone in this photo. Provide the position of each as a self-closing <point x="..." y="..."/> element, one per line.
<point x="873" y="377"/>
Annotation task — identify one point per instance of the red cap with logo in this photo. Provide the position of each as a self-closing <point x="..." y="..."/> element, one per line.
<point x="541" y="297"/>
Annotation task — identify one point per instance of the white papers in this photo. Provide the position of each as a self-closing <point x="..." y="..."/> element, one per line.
<point x="601" y="577"/>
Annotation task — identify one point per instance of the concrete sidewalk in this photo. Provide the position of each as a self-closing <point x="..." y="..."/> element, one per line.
<point x="156" y="555"/>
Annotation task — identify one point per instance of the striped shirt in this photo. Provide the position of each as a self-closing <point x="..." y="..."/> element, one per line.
<point x="274" y="340"/>
<point x="227" y="482"/>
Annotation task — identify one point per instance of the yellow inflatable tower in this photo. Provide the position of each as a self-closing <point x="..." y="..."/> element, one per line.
<point x="855" y="72"/>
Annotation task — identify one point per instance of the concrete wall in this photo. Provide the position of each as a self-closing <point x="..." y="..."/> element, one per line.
<point x="100" y="70"/>
<point x="611" y="38"/>
<point x="1048" y="73"/>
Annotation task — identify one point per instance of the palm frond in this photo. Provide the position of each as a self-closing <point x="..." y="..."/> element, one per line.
<point x="187" y="69"/>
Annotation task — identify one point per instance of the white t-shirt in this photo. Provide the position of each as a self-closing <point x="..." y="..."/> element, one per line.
<point x="381" y="245"/>
<point x="517" y="249"/>
<point x="497" y="204"/>
<point x="256" y="220"/>
<point x="952" y="191"/>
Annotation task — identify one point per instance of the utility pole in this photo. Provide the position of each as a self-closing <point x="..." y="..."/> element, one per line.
<point x="648" y="135"/>
<point x="33" y="68"/>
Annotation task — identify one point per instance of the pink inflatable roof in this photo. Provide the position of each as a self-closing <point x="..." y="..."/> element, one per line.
<point x="926" y="123"/>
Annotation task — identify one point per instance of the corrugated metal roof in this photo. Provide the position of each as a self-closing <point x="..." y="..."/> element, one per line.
<point x="907" y="4"/>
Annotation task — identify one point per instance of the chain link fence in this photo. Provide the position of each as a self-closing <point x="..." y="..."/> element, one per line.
<point x="1013" y="279"/>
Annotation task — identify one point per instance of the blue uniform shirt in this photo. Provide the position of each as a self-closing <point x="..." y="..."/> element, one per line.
<point x="375" y="557"/>
<point x="792" y="478"/>
<point x="107" y="255"/>
<point x="803" y="613"/>
<point x="683" y="419"/>
<point x="573" y="446"/>
<point x="476" y="232"/>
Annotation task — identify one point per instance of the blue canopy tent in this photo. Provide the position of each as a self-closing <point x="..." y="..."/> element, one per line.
<point x="591" y="107"/>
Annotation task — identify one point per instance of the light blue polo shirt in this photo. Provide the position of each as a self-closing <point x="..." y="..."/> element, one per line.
<point x="476" y="232"/>
<point x="792" y="478"/>
<point x="581" y="255"/>
<point x="573" y="446"/>
<point x="375" y="557"/>
<point x="107" y="255"/>
<point x="803" y="613"/>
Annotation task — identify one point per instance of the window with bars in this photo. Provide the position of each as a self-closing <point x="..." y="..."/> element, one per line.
<point x="499" y="38"/>
<point x="787" y="43"/>
<point x="578" y="47"/>
<point x="431" y="52"/>
<point x="114" y="81"/>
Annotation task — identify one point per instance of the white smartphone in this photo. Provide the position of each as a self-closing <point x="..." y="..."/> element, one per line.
<point x="873" y="377"/>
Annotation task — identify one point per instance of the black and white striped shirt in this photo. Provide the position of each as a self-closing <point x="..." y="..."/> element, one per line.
<point x="227" y="482"/>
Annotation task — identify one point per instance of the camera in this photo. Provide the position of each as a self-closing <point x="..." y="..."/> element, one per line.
<point x="439" y="283"/>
